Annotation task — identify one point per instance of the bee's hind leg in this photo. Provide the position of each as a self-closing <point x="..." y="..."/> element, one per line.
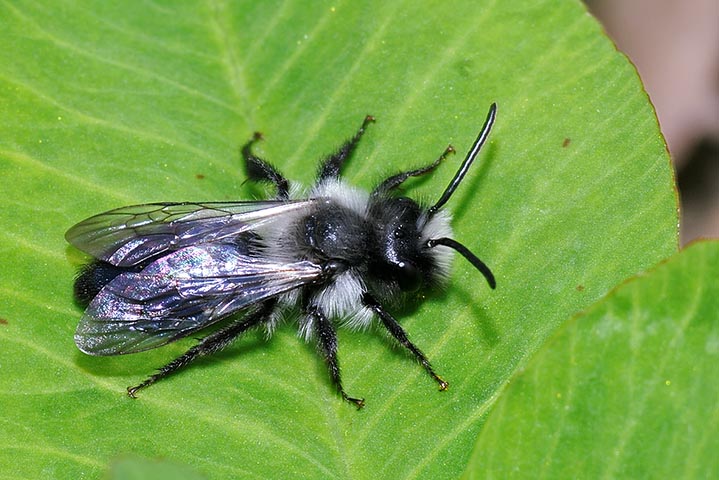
<point x="260" y="170"/>
<point x="212" y="343"/>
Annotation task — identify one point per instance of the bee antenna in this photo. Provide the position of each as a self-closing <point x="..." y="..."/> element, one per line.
<point x="471" y="257"/>
<point x="473" y="152"/>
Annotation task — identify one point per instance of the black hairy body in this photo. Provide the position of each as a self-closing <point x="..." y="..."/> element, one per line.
<point x="164" y="271"/>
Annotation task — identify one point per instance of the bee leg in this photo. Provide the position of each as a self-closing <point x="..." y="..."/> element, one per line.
<point x="212" y="343"/>
<point x="331" y="166"/>
<point x="395" y="180"/>
<point x="327" y="343"/>
<point x="393" y="326"/>
<point x="260" y="170"/>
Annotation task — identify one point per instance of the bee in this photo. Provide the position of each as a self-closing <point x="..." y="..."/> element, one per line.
<point x="163" y="271"/>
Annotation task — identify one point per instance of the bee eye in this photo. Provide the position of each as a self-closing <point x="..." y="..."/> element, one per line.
<point x="407" y="276"/>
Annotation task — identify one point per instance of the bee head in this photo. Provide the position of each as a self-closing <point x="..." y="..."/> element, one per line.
<point x="401" y="253"/>
<point x="406" y="235"/>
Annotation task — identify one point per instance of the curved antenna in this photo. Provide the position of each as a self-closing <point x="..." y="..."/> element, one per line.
<point x="471" y="257"/>
<point x="473" y="152"/>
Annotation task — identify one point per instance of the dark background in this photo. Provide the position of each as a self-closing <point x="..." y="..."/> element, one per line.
<point x="674" y="45"/>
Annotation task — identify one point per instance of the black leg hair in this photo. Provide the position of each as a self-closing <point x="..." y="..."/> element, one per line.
<point x="260" y="170"/>
<point x="327" y="342"/>
<point x="212" y="343"/>
<point x="395" y="180"/>
<point x="331" y="166"/>
<point x="393" y="326"/>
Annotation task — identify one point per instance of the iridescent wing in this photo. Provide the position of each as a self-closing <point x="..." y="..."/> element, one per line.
<point x="128" y="236"/>
<point x="181" y="293"/>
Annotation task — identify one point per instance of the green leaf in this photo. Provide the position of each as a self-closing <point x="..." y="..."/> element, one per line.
<point x="143" y="469"/>
<point x="628" y="389"/>
<point x="107" y="104"/>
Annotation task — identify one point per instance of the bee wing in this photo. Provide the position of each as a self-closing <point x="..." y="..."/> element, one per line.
<point x="181" y="293"/>
<point x="129" y="235"/>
